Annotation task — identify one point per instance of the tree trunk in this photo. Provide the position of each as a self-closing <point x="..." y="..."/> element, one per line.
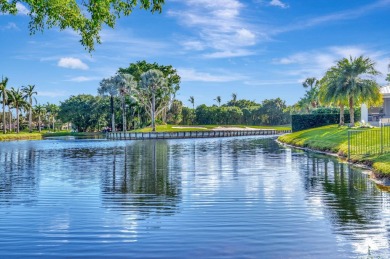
<point x="351" y="112"/>
<point x="53" y="124"/>
<point x="17" y="119"/>
<point x="124" y="115"/>
<point x="10" y="119"/>
<point x="4" y="126"/>
<point x="341" y="114"/>
<point x="112" y="114"/>
<point x="153" y="112"/>
<point x="39" y="123"/>
<point x="30" y="116"/>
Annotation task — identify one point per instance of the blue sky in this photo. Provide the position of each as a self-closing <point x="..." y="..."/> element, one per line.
<point x="258" y="49"/>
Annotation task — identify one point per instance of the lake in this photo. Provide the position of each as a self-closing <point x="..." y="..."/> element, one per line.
<point x="245" y="197"/>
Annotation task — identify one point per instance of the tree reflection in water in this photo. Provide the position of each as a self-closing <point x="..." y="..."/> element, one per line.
<point x="140" y="179"/>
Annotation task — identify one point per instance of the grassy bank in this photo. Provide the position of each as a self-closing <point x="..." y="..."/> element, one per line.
<point x="181" y="128"/>
<point x="334" y="139"/>
<point x="20" y="136"/>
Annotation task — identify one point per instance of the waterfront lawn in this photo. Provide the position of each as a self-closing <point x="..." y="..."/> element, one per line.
<point x="20" y="136"/>
<point x="181" y="128"/>
<point x="335" y="139"/>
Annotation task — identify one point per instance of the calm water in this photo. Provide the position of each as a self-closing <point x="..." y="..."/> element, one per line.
<point x="203" y="198"/>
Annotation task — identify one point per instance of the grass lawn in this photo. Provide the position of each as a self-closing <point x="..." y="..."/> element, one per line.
<point x="180" y="128"/>
<point x="20" y="136"/>
<point x="335" y="139"/>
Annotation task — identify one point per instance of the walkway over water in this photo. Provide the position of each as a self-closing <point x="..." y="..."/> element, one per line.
<point x="192" y="134"/>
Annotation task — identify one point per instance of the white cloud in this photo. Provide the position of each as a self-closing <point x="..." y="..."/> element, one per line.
<point x="72" y="63"/>
<point x="84" y="79"/>
<point x="278" y="3"/>
<point x="9" y="26"/>
<point x="189" y="74"/>
<point x="219" y="26"/>
<point x="22" y="9"/>
<point x="316" y="62"/>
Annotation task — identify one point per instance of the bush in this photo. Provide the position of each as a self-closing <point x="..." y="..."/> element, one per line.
<point x="307" y="121"/>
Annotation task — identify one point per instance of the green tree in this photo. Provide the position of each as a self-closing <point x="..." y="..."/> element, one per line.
<point x="4" y="93"/>
<point x="174" y="115"/>
<point x="153" y="84"/>
<point x="218" y="100"/>
<point x="86" y="18"/>
<point x="125" y="84"/>
<point x="52" y="112"/>
<point x="40" y="111"/>
<point x="310" y="82"/>
<point x="29" y="91"/>
<point x="192" y="101"/>
<point x="357" y="89"/>
<point x="83" y="111"/>
<point x="19" y="102"/>
<point x="234" y="99"/>
<point x="108" y="86"/>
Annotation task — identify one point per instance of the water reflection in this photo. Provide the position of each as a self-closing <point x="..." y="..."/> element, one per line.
<point x="358" y="210"/>
<point x="228" y="197"/>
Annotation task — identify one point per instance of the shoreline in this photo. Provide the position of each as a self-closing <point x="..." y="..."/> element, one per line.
<point x="377" y="177"/>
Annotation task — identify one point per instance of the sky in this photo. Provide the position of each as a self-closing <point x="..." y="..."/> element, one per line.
<point x="257" y="49"/>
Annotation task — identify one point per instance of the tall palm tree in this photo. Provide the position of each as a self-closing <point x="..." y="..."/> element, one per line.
<point x="329" y="91"/>
<point x="52" y="111"/>
<point x="152" y="82"/>
<point x="19" y="102"/>
<point x="4" y="93"/>
<point x="39" y="110"/>
<point x="234" y="99"/>
<point x="354" y="87"/>
<point x="218" y="99"/>
<point x="108" y="86"/>
<point x="125" y="83"/>
<point x="192" y="101"/>
<point x="29" y="91"/>
<point x="310" y="82"/>
<point x="10" y="102"/>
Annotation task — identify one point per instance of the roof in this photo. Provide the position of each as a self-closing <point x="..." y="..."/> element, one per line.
<point x="385" y="90"/>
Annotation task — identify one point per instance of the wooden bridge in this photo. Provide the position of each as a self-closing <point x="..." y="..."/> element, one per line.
<point x="191" y="134"/>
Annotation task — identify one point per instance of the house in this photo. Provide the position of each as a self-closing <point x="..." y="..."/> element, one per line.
<point x="374" y="115"/>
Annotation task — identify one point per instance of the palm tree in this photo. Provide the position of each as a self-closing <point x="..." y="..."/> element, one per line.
<point x="10" y="102"/>
<point x="152" y="82"/>
<point x="218" y="99"/>
<point x="39" y="110"/>
<point x="355" y="88"/>
<point x="28" y="94"/>
<point x="124" y="83"/>
<point x="310" y="82"/>
<point x="52" y="111"/>
<point x="19" y="102"/>
<point x="4" y="93"/>
<point x="234" y="99"/>
<point x="107" y="86"/>
<point x="329" y="89"/>
<point x="192" y="101"/>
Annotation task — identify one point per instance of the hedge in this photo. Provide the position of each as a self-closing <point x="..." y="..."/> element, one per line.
<point x="307" y="121"/>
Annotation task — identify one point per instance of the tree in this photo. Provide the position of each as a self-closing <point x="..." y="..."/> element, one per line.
<point x="310" y="82"/>
<point x="52" y="111"/>
<point x="174" y="115"/>
<point x="40" y="111"/>
<point x="152" y="84"/>
<point x="83" y="111"/>
<point x="28" y="94"/>
<point x="329" y="91"/>
<point x="4" y="94"/>
<point x="353" y="86"/>
<point x="218" y="100"/>
<point x="234" y="99"/>
<point x="108" y="86"/>
<point x="125" y="84"/>
<point x="19" y="102"/>
<point x="192" y="101"/>
<point x="86" y="18"/>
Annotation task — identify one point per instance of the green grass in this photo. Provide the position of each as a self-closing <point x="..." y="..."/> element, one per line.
<point x="68" y="133"/>
<point x="20" y="136"/>
<point x="181" y="128"/>
<point x="335" y="139"/>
